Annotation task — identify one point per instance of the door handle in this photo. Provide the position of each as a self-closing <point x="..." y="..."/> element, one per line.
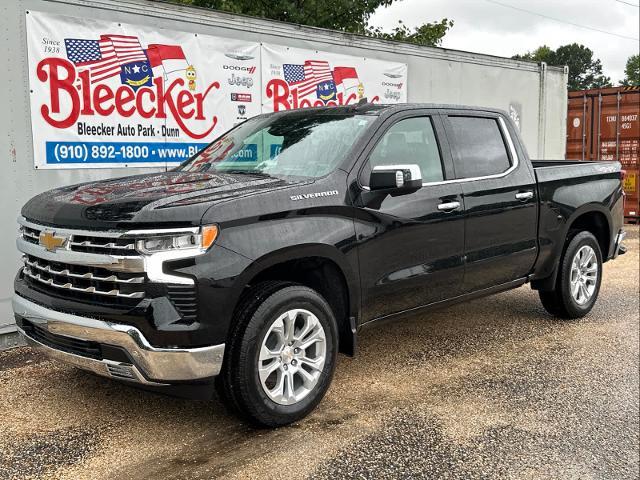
<point x="449" y="206"/>
<point x="524" y="195"/>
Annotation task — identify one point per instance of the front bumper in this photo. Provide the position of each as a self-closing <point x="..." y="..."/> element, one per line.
<point x="59" y="334"/>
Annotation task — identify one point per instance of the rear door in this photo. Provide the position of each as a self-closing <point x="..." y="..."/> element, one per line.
<point x="410" y="247"/>
<point x="499" y="192"/>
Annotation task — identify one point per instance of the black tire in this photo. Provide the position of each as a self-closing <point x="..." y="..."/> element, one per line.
<point x="239" y="383"/>
<point x="559" y="302"/>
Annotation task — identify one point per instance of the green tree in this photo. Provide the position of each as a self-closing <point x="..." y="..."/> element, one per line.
<point x="632" y="72"/>
<point x="585" y="71"/>
<point x="351" y="16"/>
<point x="429" y="34"/>
<point x="540" y="54"/>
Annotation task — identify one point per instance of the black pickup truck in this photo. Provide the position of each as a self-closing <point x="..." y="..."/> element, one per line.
<point x="251" y="265"/>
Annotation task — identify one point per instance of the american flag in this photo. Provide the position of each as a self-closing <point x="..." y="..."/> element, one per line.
<point x="307" y="77"/>
<point x="105" y="56"/>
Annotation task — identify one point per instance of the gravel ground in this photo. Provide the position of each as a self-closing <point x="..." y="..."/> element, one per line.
<point x="493" y="389"/>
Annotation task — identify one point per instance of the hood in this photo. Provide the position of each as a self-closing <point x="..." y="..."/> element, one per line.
<point x="163" y="199"/>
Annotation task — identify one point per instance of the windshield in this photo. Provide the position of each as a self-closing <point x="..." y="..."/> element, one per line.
<point x="297" y="144"/>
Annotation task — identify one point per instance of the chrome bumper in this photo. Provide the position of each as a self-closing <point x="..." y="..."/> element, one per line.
<point x="618" y="248"/>
<point x="151" y="365"/>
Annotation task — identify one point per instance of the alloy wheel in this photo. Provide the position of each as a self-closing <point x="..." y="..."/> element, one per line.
<point x="292" y="356"/>
<point x="584" y="274"/>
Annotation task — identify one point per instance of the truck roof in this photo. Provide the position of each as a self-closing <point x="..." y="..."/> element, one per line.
<point x="377" y="108"/>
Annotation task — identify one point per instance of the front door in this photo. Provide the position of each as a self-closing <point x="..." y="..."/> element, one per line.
<point x="410" y="246"/>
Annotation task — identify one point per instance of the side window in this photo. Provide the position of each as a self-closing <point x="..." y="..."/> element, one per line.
<point x="480" y="146"/>
<point x="409" y="141"/>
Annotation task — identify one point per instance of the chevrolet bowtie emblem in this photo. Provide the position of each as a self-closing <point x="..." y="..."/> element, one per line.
<point x="49" y="241"/>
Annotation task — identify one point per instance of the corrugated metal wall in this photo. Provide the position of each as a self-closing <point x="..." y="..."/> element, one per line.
<point x="533" y="93"/>
<point x="604" y="124"/>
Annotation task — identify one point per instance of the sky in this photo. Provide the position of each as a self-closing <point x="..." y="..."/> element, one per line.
<point x="486" y="26"/>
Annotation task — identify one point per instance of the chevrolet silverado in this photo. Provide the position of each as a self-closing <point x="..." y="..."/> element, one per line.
<point x="250" y="266"/>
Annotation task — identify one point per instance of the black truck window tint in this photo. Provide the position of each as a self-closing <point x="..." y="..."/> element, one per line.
<point x="480" y="147"/>
<point x="411" y="141"/>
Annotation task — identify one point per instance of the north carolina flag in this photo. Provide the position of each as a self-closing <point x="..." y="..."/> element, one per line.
<point x="346" y="78"/>
<point x="170" y="57"/>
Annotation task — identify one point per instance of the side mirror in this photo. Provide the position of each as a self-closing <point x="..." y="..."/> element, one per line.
<point x="398" y="179"/>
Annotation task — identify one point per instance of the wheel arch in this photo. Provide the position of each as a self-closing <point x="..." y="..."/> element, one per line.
<point x="593" y="218"/>
<point x="598" y="222"/>
<point x="318" y="266"/>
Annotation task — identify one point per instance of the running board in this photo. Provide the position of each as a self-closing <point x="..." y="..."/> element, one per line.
<point x="503" y="287"/>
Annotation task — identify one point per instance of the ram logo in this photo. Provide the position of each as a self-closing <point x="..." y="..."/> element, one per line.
<point x="304" y="196"/>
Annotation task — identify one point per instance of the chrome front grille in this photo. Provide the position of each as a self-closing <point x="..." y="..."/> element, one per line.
<point x="104" y="267"/>
<point x="106" y="243"/>
<point x="119" y="246"/>
<point x="82" y="279"/>
<point x="44" y="266"/>
<point x="31" y="235"/>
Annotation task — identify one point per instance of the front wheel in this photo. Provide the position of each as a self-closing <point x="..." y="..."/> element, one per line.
<point x="579" y="278"/>
<point x="282" y="354"/>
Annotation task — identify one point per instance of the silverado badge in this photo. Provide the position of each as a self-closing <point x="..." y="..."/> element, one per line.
<point x="305" y="196"/>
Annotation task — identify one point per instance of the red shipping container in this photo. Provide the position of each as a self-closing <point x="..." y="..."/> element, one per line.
<point x="604" y="124"/>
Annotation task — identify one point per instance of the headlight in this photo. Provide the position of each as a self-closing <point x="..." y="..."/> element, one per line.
<point x="198" y="241"/>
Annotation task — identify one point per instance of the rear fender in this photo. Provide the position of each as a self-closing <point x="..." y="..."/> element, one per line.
<point x="562" y="238"/>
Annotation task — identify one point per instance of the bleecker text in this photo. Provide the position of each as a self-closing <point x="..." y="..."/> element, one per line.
<point x="285" y="98"/>
<point x="86" y="99"/>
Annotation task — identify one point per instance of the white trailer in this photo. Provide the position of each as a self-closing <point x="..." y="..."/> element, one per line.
<point x="534" y="94"/>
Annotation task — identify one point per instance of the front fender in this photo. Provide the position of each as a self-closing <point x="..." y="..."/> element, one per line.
<point x="299" y="252"/>
<point x="325" y="230"/>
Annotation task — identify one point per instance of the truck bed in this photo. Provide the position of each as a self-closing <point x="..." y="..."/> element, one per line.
<point x="565" y="186"/>
<point x="565" y="163"/>
<point x="558" y="170"/>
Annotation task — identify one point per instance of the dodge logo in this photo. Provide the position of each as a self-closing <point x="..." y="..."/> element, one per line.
<point x="49" y="241"/>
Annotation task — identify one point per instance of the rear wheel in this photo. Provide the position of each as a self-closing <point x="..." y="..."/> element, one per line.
<point x="281" y="354"/>
<point x="579" y="278"/>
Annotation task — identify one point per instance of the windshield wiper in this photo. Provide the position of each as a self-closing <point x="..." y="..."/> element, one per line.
<point x="247" y="172"/>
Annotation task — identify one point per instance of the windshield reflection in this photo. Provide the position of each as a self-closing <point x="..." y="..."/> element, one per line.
<point x="296" y="144"/>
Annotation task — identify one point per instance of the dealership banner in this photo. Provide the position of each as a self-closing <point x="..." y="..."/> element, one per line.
<point x="108" y="94"/>
<point x="299" y="78"/>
